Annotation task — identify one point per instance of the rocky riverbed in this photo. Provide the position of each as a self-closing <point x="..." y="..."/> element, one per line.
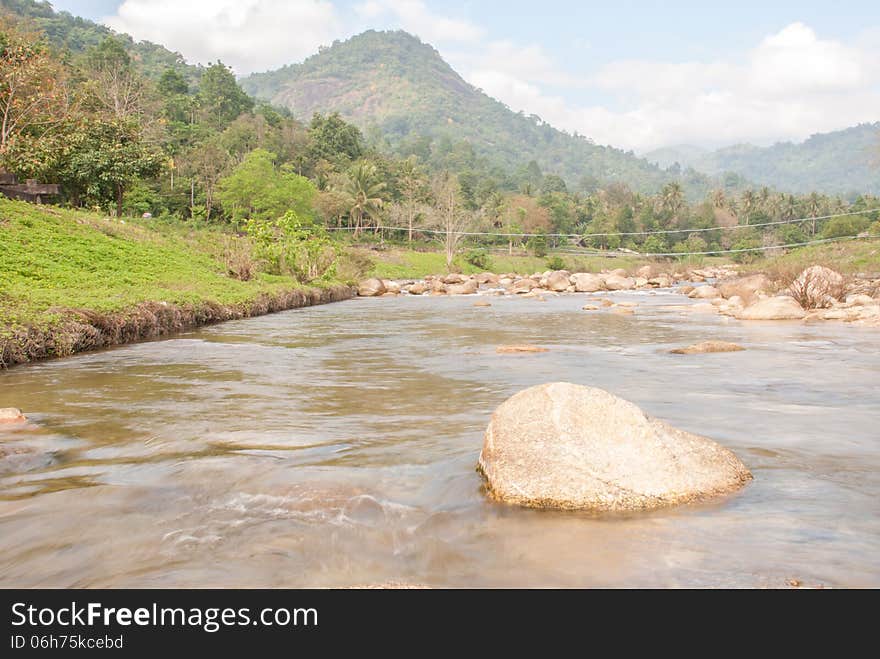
<point x="817" y="294"/>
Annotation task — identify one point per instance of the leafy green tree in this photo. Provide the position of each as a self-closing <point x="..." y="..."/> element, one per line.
<point x="334" y="140"/>
<point x="259" y="190"/>
<point x="103" y="158"/>
<point x="220" y="97"/>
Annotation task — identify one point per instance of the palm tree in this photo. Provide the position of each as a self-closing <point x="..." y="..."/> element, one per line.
<point x="749" y="201"/>
<point x="672" y="199"/>
<point x="363" y="193"/>
<point x="814" y="207"/>
<point x="719" y="199"/>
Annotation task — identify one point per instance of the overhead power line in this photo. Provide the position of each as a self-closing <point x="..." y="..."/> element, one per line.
<point x="613" y="234"/>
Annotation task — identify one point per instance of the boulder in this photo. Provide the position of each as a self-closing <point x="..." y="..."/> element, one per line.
<point x="522" y="286"/>
<point x="454" y="278"/>
<point x="587" y="283"/>
<point x="590" y="307"/>
<point x="11" y="415"/>
<point x="703" y="307"/>
<point x="505" y="281"/>
<point x="646" y="272"/>
<point x="615" y="282"/>
<point x="487" y="278"/>
<point x="859" y="300"/>
<point x="516" y="350"/>
<point x="558" y="281"/>
<point x="417" y="289"/>
<point x="482" y="303"/>
<point x="708" y="347"/>
<point x="619" y="272"/>
<point x="661" y="281"/>
<point x="686" y="290"/>
<point x="641" y="282"/>
<point x="470" y="287"/>
<point x="573" y="447"/>
<point x="773" y="308"/>
<point x="704" y="293"/>
<point x="371" y="288"/>
<point x="391" y="286"/>
<point x="818" y="287"/>
<point x="746" y="288"/>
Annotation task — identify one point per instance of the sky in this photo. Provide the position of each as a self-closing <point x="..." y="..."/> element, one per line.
<point x="636" y="75"/>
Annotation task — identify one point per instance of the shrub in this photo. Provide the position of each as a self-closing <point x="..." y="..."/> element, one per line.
<point x="842" y="227"/>
<point x="654" y="245"/>
<point x="238" y="256"/>
<point x="750" y="253"/>
<point x="353" y="266"/>
<point x="479" y="258"/>
<point x="555" y="263"/>
<point x="537" y="245"/>
<point x="294" y="245"/>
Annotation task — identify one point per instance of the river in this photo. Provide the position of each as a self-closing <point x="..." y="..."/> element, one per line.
<point x="336" y="446"/>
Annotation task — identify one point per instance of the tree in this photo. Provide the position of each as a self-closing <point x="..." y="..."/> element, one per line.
<point x="413" y="189"/>
<point x="363" y="192"/>
<point x="103" y="157"/>
<point x="672" y="201"/>
<point x="206" y="164"/>
<point x="34" y="99"/>
<point x="258" y="190"/>
<point x="114" y="86"/>
<point x="221" y="98"/>
<point x="449" y="214"/>
<point x="334" y="140"/>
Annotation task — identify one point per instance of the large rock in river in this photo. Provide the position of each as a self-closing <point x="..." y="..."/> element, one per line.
<point x="558" y="281"/>
<point x="371" y="288"/>
<point x="587" y="283"/>
<point x="11" y="415"/>
<point x="616" y="282"/>
<point x="773" y="308"/>
<point x="746" y="288"/>
<point x="572" y="447"/>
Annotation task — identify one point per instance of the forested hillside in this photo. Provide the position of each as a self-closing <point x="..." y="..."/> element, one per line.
<point x="399" y="89"/>
<point x="845" y="162"/>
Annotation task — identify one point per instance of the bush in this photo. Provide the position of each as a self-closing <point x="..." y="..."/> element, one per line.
<point x="791" y="234"/>
<point x="238" y="256"/>
<point x="750" y="253"/>
<point x="555" y="263"/>
<point x="654" y="245"/>
<point x="353" y="266"/>
<point x="296" y="246"/>
<point x="842" y="227"/>
<point x="537" y="245"/>
<point x="479" y="258"/>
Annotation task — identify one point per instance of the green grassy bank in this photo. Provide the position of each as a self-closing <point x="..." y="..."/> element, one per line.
<point x="73" y="281"/>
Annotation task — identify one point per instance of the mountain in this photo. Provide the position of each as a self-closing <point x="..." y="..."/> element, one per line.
<point x="67" y="32"/>
<point x="392" y="84"/>
<point x="845" y="162"/>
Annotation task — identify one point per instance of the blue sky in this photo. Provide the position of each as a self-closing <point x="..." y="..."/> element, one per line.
<point x="634" y="74"/>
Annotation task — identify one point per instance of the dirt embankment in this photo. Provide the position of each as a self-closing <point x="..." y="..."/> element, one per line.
<point x="80" y="330"/>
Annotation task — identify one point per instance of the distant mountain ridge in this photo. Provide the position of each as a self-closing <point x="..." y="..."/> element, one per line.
<point x="394" y="83"/>
<point x="844" y="162"/>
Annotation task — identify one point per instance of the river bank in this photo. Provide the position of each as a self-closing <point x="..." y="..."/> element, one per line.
<point x="74" y="281"/>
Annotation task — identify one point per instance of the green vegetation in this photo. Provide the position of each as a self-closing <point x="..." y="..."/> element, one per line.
<point x="406" y="98"/>
<point x="52" y="260"/>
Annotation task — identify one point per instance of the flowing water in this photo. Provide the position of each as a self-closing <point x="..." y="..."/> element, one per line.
<point x="336" y="446"/>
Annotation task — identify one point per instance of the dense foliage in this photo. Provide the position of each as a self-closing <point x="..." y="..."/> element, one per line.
<point x="133" y="134"/>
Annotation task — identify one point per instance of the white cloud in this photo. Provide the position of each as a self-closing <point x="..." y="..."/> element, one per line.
<point x="414" y="16"/>
<point x="249" y="35"/>
<point x="789" y="86"/>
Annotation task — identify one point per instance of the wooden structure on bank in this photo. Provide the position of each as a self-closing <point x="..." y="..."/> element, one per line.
<point x="30" y="191"/>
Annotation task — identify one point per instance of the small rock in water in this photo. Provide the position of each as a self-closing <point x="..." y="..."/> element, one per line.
<point x="590" y="307"/>
<point x="513" y="350"/>
<point x="482" y="303"/>
<point x="623" y="311"/>
<point x="572" y="447"/>
<point x="708" y="347"/>
<point x="11" y="415"/>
